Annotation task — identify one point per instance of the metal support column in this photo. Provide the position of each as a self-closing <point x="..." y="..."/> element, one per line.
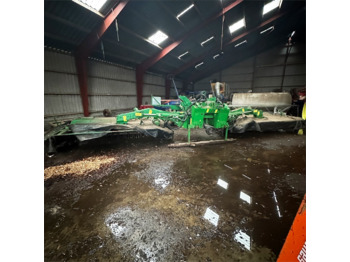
<point x="81" y="64"/>
<point x="167" y="87"/>
<point x="289" y="48"/>
<point x="184" y="86"/>
<point x="253" y="74"/>
<point x="226" y="133"/>
<point x="86" y="47"/>
<point x="139" y="85"/>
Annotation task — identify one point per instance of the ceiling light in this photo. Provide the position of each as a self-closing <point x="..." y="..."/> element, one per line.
<point x="216" y="56"/>
<point x="272" y="5"/>
<point x="241" y="43"/>
<point x="184" y="11"/>
<point x="270" y="28"/>
<point x="239" y="24"/>
<point x="205" y="41"/>
<point x="158" y="37"/>
<point x="199" y="65"/>
<point x="94" y="4"/>
<point x="179" y="57"/>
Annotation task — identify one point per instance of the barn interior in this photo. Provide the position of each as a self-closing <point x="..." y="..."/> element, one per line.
<point x="174" y="130"/>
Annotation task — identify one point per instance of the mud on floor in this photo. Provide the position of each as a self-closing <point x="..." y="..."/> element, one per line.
<point x="152" y="202"/>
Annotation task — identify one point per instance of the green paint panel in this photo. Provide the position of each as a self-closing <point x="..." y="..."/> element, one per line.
<point x="220" y="118"/>
<point x="197" y="116"/>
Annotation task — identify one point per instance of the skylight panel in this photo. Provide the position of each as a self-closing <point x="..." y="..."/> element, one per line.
<point x="94" y="4"/>
<point x="184" y="11"/>
<point x="158" y="37"/>
<point x="272" y="5"/>
<point x="207" y="40"/>
<point x="239" y="24"/>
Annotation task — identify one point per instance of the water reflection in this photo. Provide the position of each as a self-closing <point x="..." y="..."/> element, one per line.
<point x="222" y="183"/>
<point x="211" y="216"/>
<point x="277" y="207"/>
<point x="228" y="167"/>
<point x="245" y="197"/>
<point x="117" y="229"/>
<point x="162" y="181"/>
<point x="243" y="238"/>
<point x="144" y="235"/>
<point x="246" y="176"/>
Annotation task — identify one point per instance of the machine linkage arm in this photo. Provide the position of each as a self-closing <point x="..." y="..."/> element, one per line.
<point x="234" y="114"/>
<point x="177" y="117"/>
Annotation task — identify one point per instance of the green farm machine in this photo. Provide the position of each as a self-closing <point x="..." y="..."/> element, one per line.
<point x="209" y="113"/>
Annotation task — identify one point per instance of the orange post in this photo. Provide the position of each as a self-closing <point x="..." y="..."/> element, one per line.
<point x="294" y="248"/>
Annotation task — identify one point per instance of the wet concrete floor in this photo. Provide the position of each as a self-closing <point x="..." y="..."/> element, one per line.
<point x="226" y="202"/>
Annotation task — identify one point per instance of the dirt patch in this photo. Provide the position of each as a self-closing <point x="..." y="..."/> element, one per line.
<point x="78" y="168"/>
<point x="226" y="250"/>
<point x="147" y="235"/>
<point x="149" y="203"/>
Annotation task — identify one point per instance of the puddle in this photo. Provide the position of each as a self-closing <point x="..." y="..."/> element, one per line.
<point x="243" y="239"/>
<point x="146" y="235"/>
<point x="245" y="197"/>
<point x="229" y="202"/>
<point x="277" y="207"/>
<point x="211" y="216"/>
<point x="222" y="183"/>
<point x="156" y="172"/>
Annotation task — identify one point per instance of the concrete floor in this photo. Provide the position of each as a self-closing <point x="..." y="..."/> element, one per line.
<point x="226" y="202"/>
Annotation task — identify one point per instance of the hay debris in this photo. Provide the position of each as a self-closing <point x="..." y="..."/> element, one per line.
<point x="79" y="168"/>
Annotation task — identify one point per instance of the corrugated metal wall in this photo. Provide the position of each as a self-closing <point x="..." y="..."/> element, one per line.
<point x="61" y="88"/>
<point x="264" y="72"/>
<point x="172" y="89"/>
<point x="153" y="85"/>
<point x="109" y="87"/>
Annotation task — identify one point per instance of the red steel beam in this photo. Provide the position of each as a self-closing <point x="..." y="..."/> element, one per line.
<point x="215" y="50"/>
<point x="81" y="64"/>
<point x="140" y="70"/>
<point x="154" y="59"/>
<point x="272" y="19"/>
<point x="85" y="48"/>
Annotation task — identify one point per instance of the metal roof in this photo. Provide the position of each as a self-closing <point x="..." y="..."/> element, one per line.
<point x="67" y="24"/>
